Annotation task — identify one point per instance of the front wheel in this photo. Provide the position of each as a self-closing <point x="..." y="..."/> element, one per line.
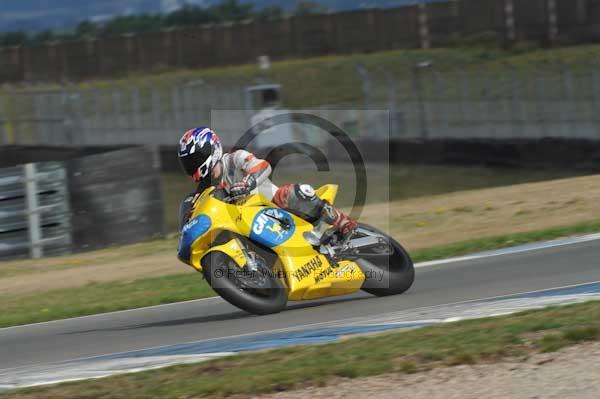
<point x="258" y="292"/>
<point x="388" y="273"/>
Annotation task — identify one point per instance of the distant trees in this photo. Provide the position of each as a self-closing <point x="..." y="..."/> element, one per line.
<point x="272" y="13"/>
<point x="129" y="24"/>
<point x="308" y="7"/>
<point x="189" y="15"/>
<point x="12" y="38"/>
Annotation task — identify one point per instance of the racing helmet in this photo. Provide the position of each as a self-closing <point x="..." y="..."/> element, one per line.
<point x="200" y="150"/>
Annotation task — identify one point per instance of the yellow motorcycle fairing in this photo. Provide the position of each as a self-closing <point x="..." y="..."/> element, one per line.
<point x="233" y="249"/>
<point x="328" y="193"/>
<point x="305" y="272"/>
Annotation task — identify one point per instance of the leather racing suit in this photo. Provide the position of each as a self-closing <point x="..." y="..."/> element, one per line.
<point x="244" y="174"/>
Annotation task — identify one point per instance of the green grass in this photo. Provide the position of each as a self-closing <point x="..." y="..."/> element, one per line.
<point x="110" y="254"/>
<point x="108" y="297"/>
<point x="467" y="342"/>
<point x="334" y="79"/>
<point x="304" y="80"/>
<point x="101" y="298"/>
<point x="504" y="241"/>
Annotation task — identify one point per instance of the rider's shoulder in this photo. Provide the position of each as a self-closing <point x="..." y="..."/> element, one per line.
<point x="241" y="156"/>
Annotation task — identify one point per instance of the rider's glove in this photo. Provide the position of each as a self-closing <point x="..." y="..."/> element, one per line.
<point x="242" y="189"/>
<point x="344" y="224"/>
<point x="250" y="181"/>
<point x="340" y="221"/>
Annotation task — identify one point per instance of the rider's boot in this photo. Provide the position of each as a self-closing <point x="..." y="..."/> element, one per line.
<point x="302" y="200"/>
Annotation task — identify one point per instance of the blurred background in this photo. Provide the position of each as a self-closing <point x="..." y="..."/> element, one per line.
<point x="461" y="94"/>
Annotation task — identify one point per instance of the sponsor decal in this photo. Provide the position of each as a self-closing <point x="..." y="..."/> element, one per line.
<point x="309" y="268"/>
<point x="272" y="227"/>
<point x="192" y="230"/>
<point x="326" y="273"/>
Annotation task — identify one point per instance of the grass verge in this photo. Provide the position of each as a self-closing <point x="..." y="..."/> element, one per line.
<point x="100" y="257"/>
<point x="504" y="241"/>
<point x="467" y="342"/>
<point x="304" y="79"/>
<point x="108" y="297"/>
<point x="398" y="183"/>
<point x="101" y="298"/>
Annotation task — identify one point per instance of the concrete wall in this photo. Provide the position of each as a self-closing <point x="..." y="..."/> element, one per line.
<point x="525" y="153"/>
<point x="115" y="196"/>
<point x="436" y="24"/>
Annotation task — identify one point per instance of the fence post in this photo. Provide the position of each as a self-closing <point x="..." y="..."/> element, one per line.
<point x="573" y="109"/>
<point x="3" y="130"/>
<point x="463" y="90"/>
<point x="365" y="78"/>
<point x="564" y="131"/>
<point x="541" y="102"/>
<point x="595" y="94"/>
<point x="9" y="127"/>
<point x="491" y="105"/>
<point x="515" y="84"/>
<point x="137" y="111"/>
<point x="424" y="27"/>
<point x="440" y="101"/>
<point x="392" y="103"/>
<point x="552" y="21"/>
<point x="176" y="107"/>
<point x="582" y="14"/>
<point x="33" y="216"/>
<point x="36" y="102"/>
<point x="509" y="20"/>
<point x="421" y="107"/>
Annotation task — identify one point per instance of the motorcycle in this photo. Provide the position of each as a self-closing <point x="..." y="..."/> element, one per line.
<point x="258" y="257"/>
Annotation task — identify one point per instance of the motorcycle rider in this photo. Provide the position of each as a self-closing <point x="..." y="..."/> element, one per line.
<point x="240" y="173"/>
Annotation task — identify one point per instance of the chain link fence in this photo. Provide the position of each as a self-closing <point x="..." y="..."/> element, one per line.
<point x="426" y="103"/>
<point x="422" y="103"/>
<point x="111" y="116"/>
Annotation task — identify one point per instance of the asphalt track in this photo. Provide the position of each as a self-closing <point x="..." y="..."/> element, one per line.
<point x="436" y="284"/>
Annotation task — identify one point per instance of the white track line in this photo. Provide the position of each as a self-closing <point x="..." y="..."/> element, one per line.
<point x="323" y="324"/>
<point x="494" y="253"/>
<point x="214" y="298"/>
<point x="515" y="250"/>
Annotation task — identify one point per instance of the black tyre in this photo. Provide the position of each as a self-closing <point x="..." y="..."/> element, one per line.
<point x="387" y="275"/>
<point x="260" y="292"/>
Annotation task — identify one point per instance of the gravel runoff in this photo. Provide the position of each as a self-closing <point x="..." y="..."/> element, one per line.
<point x="572" y="373"/>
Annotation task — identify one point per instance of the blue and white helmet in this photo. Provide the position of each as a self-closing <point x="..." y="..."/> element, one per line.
<point x="199" y="151"/>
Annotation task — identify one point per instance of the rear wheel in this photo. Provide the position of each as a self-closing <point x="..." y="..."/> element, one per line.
<point x="258" y="292"/>
<point x="388" y="271"/>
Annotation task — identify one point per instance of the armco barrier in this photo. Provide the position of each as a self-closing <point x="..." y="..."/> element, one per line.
<point x="34" y="211"/>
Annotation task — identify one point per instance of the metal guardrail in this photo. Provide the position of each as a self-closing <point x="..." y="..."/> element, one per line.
<point x="34" y="211"/>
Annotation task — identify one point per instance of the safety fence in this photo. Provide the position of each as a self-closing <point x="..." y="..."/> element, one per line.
<point x="111" y="116"/>
<point x="34" y="211"/>
<point x="419" y="24"/>
<point x="423" y="102"/>
<point x="427" y="103"/>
